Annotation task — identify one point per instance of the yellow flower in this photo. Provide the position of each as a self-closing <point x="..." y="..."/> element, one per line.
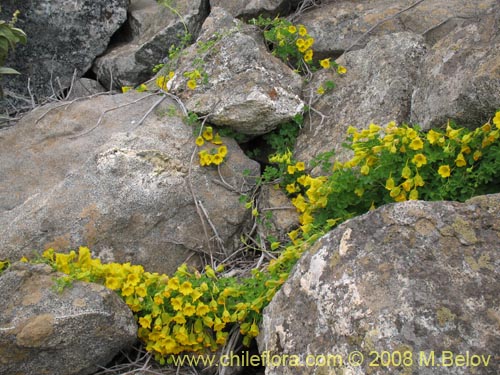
<point x="222" y="151"/>
<point x="291" y="188"/>
<point x="365" y="169"/>
<point x="219" y="324"/>
<point x="217" y="159"/>
<point x="199" y="141"/>
<point x="477" y="154"/>
<point x="254" y="330"/>
<point x="186" y="288"/>
<point x="141" y="88"/>
<point x="395" y="192"/>
<point x="196" y="294"/>
<point x="217" y="139"/>
<point x="300" y="166"/>
<point x="406" y="172"/>
<point x="202" y="309"/>
<point x="302" y="30"/>
<point x="188" y="309"/>
<point x="308" y="55"/>
<point x="127" y="289"/>
<point x="444" y="171"/>
<point x="173" y="283"/>
<point x="325" y="63"/>
<point x="191" y="84"/>
<point x="413" y="195"/>
<point x="320" y="90"/>
<point x="299" y="203"/>
<point x="300" y="43"/>
<point x="208" y="133"/>
<point x="145" y="321"/>
<point x="309" y="42"/>
<point x="496" y="120"/>
<point x="141" y="290"/>
<point x="126" y="89"/>
<point x="419" y="181"/>
<point x="416" y="144"/>
<point x="419" y="160"/>
<point x="389" y="184"/>
<point x="113" y="283"/>
<point x="24" y="260"/>
<point x="401" y="197"/>
<point x="292" y="29"/>
<point x="407" y="185"/>
<point x="433" y="137"/>
<point x="341" y="70"/>
<point x="179" y="318"/>
<point x="460" y="160"/>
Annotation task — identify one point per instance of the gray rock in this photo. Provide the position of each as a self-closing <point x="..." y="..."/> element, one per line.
<point x="376" y="88"/>
<point x="250" y="9"/>
<point x="278" y="215"/>
<point x="69" y="333"/>
<point x="85" y="87"/>
<point x="153" y="29"/>
<point x="123" y="189"/>
<point x="246" y="88"/>
<point x="417" y="276"/>
<point x="64" y="36"/>
<point x="339" y="25"/>
<point x="460" y="77"/>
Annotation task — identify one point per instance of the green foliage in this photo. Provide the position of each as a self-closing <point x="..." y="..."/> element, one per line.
<point x="9" y="37"/>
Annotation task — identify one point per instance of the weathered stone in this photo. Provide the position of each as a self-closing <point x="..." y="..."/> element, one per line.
<point x="279" y="216"/>
<point x="85" y="87"/>
<point x="416" y="276"/>
<point x="153" y="29"/>
<point x="246" y="88"/>
<point x="339" y="25"/>
<point x="250" y="9"/>
<point x="43" y="331"/>
<point x="124" y="189"/>
<point x="460" y="76"/>
<point x="376" y="88"/>
<point x="63" y="37"/>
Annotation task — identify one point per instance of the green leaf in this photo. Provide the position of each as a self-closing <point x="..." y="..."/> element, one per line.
<point x="5" y="70"/>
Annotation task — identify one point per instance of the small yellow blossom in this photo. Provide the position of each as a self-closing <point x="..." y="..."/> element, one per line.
<point x="444" y="171"/>
<point x="320" y="90"/>
<point x="292" y="29"/>
<point x="416" y="144"/>
<point x="325" y="63"/>
<point x="199" y="141"/>
<point x="302" y="30"/>
<point x="191" y="84"/>
<point x="496" y="120"/>
<point x="419" y="160"/>
<point x="341" y="69"/>
<point x="460" y="160"/>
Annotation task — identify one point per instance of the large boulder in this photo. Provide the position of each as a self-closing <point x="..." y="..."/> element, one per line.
<point x="416" y="277"/>
<point x="127" y="190"/>
<point x="64" y="38"/>
<point x="339" y="25"/>
<point x="152" y="30"/>
<point x="244" y="87"/>
<point x="249" y="9"/>
<point x="460" y="76"/>
<point x="43" y="331"/>
<point x="376" y="88"/>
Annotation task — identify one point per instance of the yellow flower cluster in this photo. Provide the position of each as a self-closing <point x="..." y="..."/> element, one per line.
<point x="391" y="163"/>
<point x="187" y="312"/>
<point x="164" y="82"/>
<point x="213" y="155"/>
<point x="304" y="42"/>
<point x="193" y="78"/>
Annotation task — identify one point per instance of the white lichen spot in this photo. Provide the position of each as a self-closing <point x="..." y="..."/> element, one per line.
<point x="344" y="245"/>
